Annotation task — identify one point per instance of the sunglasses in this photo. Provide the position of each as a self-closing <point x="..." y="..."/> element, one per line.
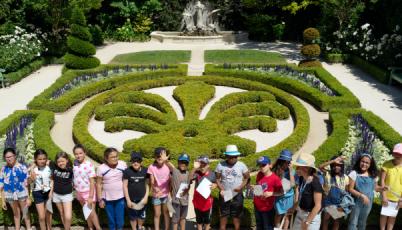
<point x="262" y="165"/>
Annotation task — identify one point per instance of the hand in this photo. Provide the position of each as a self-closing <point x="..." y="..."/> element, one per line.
<point x="400" y="204"/>
<point x="222" y="193"/>
<point x="32" y="176"/>
<point x="144" y="201"/>
<point x="290" y="166"/>
<point x="267" y="194"/>
<point x="130" y="204"/>
<point x="28" y="202"/>
<point x="4" y="205"/>
<point x="196" y="165"/>
<point x="384" y="202"/>
<point x="339" y="160"/>
<point x="90" y="202"/>
<point x="304" y="226"/>
<point x="164" y="157"/>
<point x="213" y="186"/>
<point x="102" y="203"/>
<point x="291" y="210"/>
<point x="50" y="196"/>
<point x="238" y="189"/>
<point x="365" y="199"/>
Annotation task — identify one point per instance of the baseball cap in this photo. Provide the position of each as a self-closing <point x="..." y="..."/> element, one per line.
<point x="397" y="148"/>
<point x="136" y="156"/>
<point x="184" y="157"/>
<point x="264" y="160"/>
<point x="203" y="159"/>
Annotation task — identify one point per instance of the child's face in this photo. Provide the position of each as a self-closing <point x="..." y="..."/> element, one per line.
<point x="10" y="158"/>
<point x="264" y="168"/>
<point x="62" y="163"/>
<point x="136" y="165"/>
<point x="41" y="160"/>
<point x="397" y="156"/>
<point x="79" y="155"/>
<point x="365" y="163"/>
<point x="159" y="160"/>
<point x="113" y="158"/>
<point x="204" y="167"/>
<point x="182" y="165"/>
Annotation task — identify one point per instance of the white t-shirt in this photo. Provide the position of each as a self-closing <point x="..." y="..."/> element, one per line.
<point x="353" y="175"/>
<point x="82" y="174"/>
<point x="43" y="178"/>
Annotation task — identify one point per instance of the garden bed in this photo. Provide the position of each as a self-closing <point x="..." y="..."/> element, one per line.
<point x="243" y="56"/>
<point x="153" y="57"/>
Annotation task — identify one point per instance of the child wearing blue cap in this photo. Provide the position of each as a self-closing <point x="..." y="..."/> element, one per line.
<point x="180" y="175"/>
<point x="271" y="187"/>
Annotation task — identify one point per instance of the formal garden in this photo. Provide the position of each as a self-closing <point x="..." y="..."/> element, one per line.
<point x="252" y="94"/>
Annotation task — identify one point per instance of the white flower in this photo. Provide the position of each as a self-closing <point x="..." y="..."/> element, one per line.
<point x="365" y="26"/>
<point x="398" y="55"/>
<point x="397" y="28"/>
<point x="354" y="33"/>
<point x="398" y="38"/>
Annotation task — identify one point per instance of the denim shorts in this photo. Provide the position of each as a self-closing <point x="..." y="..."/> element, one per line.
<point x="40" y="196"/>
<point x="159" y="201"/>
<point x="136" y="214"/>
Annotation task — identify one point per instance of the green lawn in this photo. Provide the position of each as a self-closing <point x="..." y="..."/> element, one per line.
<point x="243" y="56"/>
<point x="153" y="57"/>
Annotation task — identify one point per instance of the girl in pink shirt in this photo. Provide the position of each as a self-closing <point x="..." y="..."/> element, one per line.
<point x="110" y="188"/>
<point x="160" y="180"/>
<point x="84" y="184"/>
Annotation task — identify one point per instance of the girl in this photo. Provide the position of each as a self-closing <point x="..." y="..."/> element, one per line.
<point x="159" y="174"/>
<point x="309" y="203"/>
<point x="362" y="183"/>
<point x="283" y="168"/>
<point x="110" y="188"/>
<point x="335" y="184"/>
<point x="391" y="174"/>
<point x="63" y="187"/>
<point x="41" y="177"/>
<point x="84" y="184"/>
<point x="14" y="187"/>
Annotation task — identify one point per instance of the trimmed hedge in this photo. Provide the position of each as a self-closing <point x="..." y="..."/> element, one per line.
<point x="263" y="123"/>
<point x="70" y="98"/>
<point x="79" y="46"/>
<point x="339" y="119"/>
<point x="44" y="121"/>
<point x="192" y="97"/>
<point x="373" y="70"/>
<point x="27" y="69"/>
<point x="345" y="98"/>
<point x="76" y="62"/>
<point x="117" y="124"/>
<point x="336" y="58"/>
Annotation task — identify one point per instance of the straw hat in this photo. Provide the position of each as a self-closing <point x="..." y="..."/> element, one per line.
<point x="231" y="150"/>
<point x="304" y="159"/>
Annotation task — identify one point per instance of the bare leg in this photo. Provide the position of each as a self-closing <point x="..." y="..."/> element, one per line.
<point x="335" y="225"/>
<point x="199" y="226"/>
<point x="93" y="220"/>
<point x="277" y="220"/>
<point x="182" y="224"/>
<point x="41" y="215"/>
<point x="140" y="224"/>
<point x="61" y="211"/>
<point x="67" y="208"/>
<point x="17" y="214"/>
<point x="48" y="220"/>
<point x="157" y="216"/>
<point x="236" y="223"/>
<point x="223" y="222"/>
<point x="325" y="221"/>
<point x="390" y="223"/>
<point x="22" y="204"/>
<point x="166" y="216"/>
<point x="383" y="222"/>
<point x="133" y="224"/>
<point x="207" y="226"/>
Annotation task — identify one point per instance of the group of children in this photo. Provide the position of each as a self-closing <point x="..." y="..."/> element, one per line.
<point x="317" y="195"/>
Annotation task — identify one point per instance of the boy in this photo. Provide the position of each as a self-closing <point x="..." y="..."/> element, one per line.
<point x="136" y="190"/>
<point x="202" y="206"/>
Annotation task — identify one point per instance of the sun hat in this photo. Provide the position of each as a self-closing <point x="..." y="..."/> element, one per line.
<point x="397" y="148"/>
<point x="231" y="150"/>
<point x="304" y="160"/>
<point x="135" y="156"/>
<point x="203" y="159"/>
<point x="184" y="157"/>
<point x="286" y="155"/>
<point x="263" y="160"/>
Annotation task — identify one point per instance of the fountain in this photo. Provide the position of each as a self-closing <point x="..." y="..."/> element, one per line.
<point x="199" y="24"/>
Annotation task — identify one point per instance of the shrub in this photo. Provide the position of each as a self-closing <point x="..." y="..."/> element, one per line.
<point x="373" y="70"/>
<point x="311" y="51"/>
<point x="79" y="47"/>
<point x="18" y="75"/>
<point x="310" y="34"/>
<point x="97" y="35"/>
<point x="309" y="63"/>
<point x="336" y="58"/>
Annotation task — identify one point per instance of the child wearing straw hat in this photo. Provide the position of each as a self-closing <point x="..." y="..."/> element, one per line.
<point x="310" y="193"/>
<point x="231" y="177"/>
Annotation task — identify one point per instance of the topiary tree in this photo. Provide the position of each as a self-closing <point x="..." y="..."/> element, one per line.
<point x="80" y="49"/>
<point x="310" y="49"/>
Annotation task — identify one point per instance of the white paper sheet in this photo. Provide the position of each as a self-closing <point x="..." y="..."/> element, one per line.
<point x="86" y="210"/>
<point x="333" y="211"/>
<point x="391" y="210"/>
<point x="228" y="195"/>
<point x="204" y="188"/>
<point x="183" y="186"/>
<point x="49" y="206"/>
<point x="257" y="190"/>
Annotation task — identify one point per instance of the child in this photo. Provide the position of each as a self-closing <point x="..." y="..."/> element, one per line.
<point x="136" y="191"/>
<point x="160" y="180"/>
<point x="179" y="176"/>
<point x="84" y="184"/>
<point x="110" y="188"/>
<point x="62" y="174"/>
<point x="202" y="206"/>
<point x="283" y="169"/>
<point x="391" y="174"/>
<point x="271" y="187"/>
<point x="14" y="187"/>
<point x="362" y="184"/>
<point x="41" y="177"/>
<point x="335" y="185"/>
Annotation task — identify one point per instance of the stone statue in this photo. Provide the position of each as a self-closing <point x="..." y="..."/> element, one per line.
<point x="198" y="19"/>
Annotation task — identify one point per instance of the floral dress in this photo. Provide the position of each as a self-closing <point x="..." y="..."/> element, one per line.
<point x="14" y="181"/>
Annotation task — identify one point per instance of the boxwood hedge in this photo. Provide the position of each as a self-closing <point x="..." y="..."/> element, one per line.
<point x="344" y="98"/>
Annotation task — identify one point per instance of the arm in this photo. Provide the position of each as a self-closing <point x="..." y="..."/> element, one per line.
<point x="145" y="199"/>
<point x="3" y="200"/>
<point x="291" y="177"/>
<point x="169" y="165"/>
<point x="99" y="182"/>
<point x="246" y="177"/>
<point x="384" y="193"/>
<point x="356" y="193"/>
<point x="125" y="190"/>
<point x="337" y="160"/>
<point x="51" y="188"/>
<point x="218" y="181"/>
<point x="317" y="207"/>
<point x="92" y="184"/>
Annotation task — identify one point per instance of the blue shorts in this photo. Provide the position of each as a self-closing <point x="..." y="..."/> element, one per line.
<point x="40" y="196"/>
<point x="136" y="214"/>
<point x="159" y="201"/>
